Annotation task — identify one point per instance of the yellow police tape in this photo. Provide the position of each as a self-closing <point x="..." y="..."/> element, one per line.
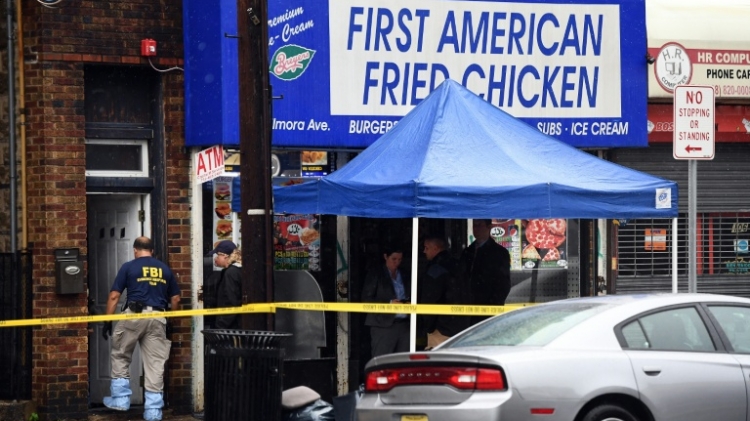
<point x="435" y="309"/>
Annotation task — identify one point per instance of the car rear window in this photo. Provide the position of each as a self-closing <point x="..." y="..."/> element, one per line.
<point x="532" y="326"/>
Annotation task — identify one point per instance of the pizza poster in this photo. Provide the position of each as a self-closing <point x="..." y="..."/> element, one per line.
<point x="544" y="244"/>
<point x="532" y="243"/>
<point x="296" y="242"/>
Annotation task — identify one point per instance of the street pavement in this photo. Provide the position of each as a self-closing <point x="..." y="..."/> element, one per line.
<point x="135" y="414"/>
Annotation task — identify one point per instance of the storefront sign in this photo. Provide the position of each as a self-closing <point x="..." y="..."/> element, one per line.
<point x="345" y="73"/>
<point x="550" y="64"/>
<point x="731" y="122"/>
<point x="209" y="164"/>
<point x="698" y="43"/>
<point x="726" y="71"/>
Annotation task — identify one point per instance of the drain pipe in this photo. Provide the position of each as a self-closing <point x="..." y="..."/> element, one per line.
<point x="12" y="132"/>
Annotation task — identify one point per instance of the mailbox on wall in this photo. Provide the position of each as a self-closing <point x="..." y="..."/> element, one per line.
<point x="68" y="272"/>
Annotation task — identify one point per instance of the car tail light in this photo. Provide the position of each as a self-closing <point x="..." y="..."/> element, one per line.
<point x="464" y="378"/>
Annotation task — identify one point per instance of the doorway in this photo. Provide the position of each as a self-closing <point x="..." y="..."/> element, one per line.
<point x="114" y="222"/>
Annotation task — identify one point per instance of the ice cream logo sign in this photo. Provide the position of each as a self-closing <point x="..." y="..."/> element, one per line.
<point x="290" y="61"/>
<point x="673" y="66"/>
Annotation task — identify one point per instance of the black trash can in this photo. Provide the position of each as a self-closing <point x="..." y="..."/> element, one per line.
<point x="243" y="379"/>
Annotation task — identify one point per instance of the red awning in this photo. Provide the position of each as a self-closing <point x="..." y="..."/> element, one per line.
<point x="732" y="123"/>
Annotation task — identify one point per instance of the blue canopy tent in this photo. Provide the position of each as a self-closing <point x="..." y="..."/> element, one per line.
<point x="457" y="156"/>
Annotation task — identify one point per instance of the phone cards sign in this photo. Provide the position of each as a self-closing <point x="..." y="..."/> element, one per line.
<point x="346" y="71"/>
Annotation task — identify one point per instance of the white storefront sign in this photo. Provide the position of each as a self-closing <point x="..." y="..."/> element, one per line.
<point x="698" y="43"/>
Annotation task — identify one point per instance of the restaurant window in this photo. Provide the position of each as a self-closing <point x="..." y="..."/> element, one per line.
<point x="644" y="246"/>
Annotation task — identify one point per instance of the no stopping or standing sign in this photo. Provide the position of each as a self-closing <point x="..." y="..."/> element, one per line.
<point x="694" y="135"/>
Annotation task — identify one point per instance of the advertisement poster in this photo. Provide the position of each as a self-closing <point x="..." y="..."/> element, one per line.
<point x="655" y="239"/>
<point x="507" y="233"/>
<point x="226" y="224"/>
<point x="532" y="243"/>
<point x="296" y="242"/>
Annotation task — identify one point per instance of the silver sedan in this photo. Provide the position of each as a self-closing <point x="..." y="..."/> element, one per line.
<point x="659" y="357"/>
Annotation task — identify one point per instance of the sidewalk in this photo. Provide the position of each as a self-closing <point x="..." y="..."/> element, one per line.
<point x="135" y="414"/>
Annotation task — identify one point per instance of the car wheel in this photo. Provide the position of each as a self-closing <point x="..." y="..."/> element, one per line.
<point x="609" y="412"/>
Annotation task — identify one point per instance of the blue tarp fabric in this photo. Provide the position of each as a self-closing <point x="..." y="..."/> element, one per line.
<point x="457" y="156"/>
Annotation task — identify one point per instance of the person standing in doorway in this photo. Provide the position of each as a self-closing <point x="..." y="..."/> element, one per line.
<point x="229" y="288"/>
<point x="486" y="268"/>
<point x="150" y="286"/>
<point x="385" y="284"/>
<point x="440" y="286"/>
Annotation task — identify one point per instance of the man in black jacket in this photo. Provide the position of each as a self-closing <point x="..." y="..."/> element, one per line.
<point x="441" y="286"/>
<point x="486" y="268"/>
<point x="229" y="288"/>
<point x="385" y="283"/>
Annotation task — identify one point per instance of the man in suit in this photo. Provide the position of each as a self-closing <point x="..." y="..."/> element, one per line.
<point x="440" y="285"/>
<point x="385" y="284"/>
<point x="486" y="268"/>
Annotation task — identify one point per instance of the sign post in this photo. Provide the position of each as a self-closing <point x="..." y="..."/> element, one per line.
<point x="693" y="140"/>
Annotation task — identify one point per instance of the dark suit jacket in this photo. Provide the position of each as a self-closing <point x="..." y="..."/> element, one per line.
<point x="487" y="273"/>
<point x="441" y="285"/>
<point x="229" y="294"/>
<point x="378" y="288"/>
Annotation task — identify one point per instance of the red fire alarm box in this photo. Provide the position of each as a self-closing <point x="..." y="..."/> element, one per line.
<point x="148" y="47"/>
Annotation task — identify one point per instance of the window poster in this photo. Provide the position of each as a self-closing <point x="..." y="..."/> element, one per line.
<point x="655" y="239"/>
<point x="532" y="243"/>
<point x="226" y="223"/>
<point x="296" y="242"/>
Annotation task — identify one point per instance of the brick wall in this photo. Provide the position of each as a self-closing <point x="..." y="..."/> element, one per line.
<point x="178" y="237"/>
<point x="57" y="44"/>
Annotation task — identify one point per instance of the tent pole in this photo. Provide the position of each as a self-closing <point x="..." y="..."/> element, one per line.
<point x="674" y="255"/>
<point x="414" y="262"/>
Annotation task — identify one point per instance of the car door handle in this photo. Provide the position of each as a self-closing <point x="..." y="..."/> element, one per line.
<point x="651" y="371"/>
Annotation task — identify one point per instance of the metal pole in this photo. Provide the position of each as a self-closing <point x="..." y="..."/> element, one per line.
<point x="414" y="288"/>
<point x="692" y="225"/>
<point x="12" y="133"/>
<point x="674" y="255"/>
<point x="255" y="162"/>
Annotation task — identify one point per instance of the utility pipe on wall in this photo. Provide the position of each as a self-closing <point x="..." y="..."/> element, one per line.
<point x="12" y="131"/>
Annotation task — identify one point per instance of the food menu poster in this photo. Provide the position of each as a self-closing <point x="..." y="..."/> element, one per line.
<point x="296" y="242"/>
<point x="226" y="223"/>
<point x="314" y="164"/>
<point x="533" y="243"/>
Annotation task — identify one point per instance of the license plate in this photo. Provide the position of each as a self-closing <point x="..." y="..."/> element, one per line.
<point x="414" y="418"/>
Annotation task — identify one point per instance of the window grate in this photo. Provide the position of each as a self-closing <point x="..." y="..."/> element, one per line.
<point x="644" y="246"/>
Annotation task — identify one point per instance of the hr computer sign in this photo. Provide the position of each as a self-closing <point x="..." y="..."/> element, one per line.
<point x="694" y="136"/>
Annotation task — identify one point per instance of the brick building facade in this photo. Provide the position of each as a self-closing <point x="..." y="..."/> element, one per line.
<point x="61" y="43"/>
